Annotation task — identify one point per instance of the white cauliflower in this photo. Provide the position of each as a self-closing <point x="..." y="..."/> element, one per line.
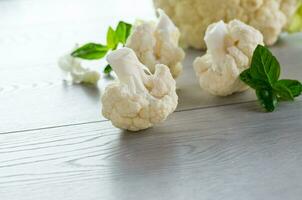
<point x="230" y="50"/>
<point x="140" y="99"/>
<point x="75" y="72"/>
<point x="193" y="16"/>
<point x="157" y="43"/>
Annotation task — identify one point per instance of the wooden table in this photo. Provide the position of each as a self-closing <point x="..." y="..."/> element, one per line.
<point x="54" y="143"/>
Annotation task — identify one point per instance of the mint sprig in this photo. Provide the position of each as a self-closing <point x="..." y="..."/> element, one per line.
<point x="95" y="51"/>
<point x="263" y="77"/>
<point x="122" y="32"/>
<point x="90" y="51"/>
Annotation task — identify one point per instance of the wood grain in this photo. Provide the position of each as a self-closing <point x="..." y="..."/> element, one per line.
<point x="53" y="103"/>
<point x="34" y="79"/>
<point x="55" y="145"/>
<point x="226" y="152"/>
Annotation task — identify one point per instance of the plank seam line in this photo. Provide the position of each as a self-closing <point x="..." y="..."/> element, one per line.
<point x="101" y="121"/>
<point x="215" y="106"/>
<point x="52" y="127"/>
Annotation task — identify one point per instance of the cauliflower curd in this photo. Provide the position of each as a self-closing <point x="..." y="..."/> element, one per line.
<point x="193" y="16"/>
<point x="140" y="99"/>
<point x="230" y="50"/>
<point x="75" y="72"/>
<point x="157" y="44"/>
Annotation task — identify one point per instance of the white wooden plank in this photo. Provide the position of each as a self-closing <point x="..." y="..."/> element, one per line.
<point x="228" y="152"/>
<point x="31" y="93"/>
<point x="35" y="96"/>
<point x="204" y="150"/>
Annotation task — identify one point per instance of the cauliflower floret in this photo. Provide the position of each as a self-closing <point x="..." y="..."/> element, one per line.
<point x="230" y="50"/>
<point x="140" y="99"/>
<point x="157" y="44"/>
<point x="193" y="16"/>
<point x="75" y="72"/>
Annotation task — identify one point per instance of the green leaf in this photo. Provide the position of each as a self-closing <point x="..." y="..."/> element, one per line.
<point x="123" y="31"/>
<point x="293" y="85"/>
<point x="247" y="78"/>
<point x="265" y="66"/>
<point x="267" y="99"/>
<point x="90" y="51"/>
<point x="107" y="70"/>
<point x="283" y="92"/>
<point x="263" y="76"/>
<point x="112" y="40"/>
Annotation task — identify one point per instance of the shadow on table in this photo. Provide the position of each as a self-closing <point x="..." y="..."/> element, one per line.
<point x="90" y="91"/>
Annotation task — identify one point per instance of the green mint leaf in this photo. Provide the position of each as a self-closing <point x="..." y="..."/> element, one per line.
<point x="112" y="40"/>
<point x="283" y="92"/>
<point x="293" y="85"/>
<point x="263" y="76"/>
<point x="123" y="31"/>
<point x="107" y="70"/>
<point x="90" y="51"/>
<point x="267" y="99"/>
<point x="265" y="66"/>
<point x="247" y="78"/>
<point x="128" y="30"/>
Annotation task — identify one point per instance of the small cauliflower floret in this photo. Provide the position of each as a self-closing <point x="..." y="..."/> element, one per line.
<point x="230" y="50"/>
<point x="157" y="44"/>
<point x="75" y="72"/>
<point x="140" y="99"/>
<point x="193" y="16"/>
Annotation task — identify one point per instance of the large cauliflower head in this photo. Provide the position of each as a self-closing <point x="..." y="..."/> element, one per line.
<point x="140" y="99"/>
<point x="230" y="50"/>
<point x="193" y="16"/>
<point x="157" y="43"/>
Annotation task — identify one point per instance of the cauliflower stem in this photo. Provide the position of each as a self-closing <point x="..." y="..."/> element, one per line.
<point x="230" y="49"/>
<point x="140" y="99"/>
